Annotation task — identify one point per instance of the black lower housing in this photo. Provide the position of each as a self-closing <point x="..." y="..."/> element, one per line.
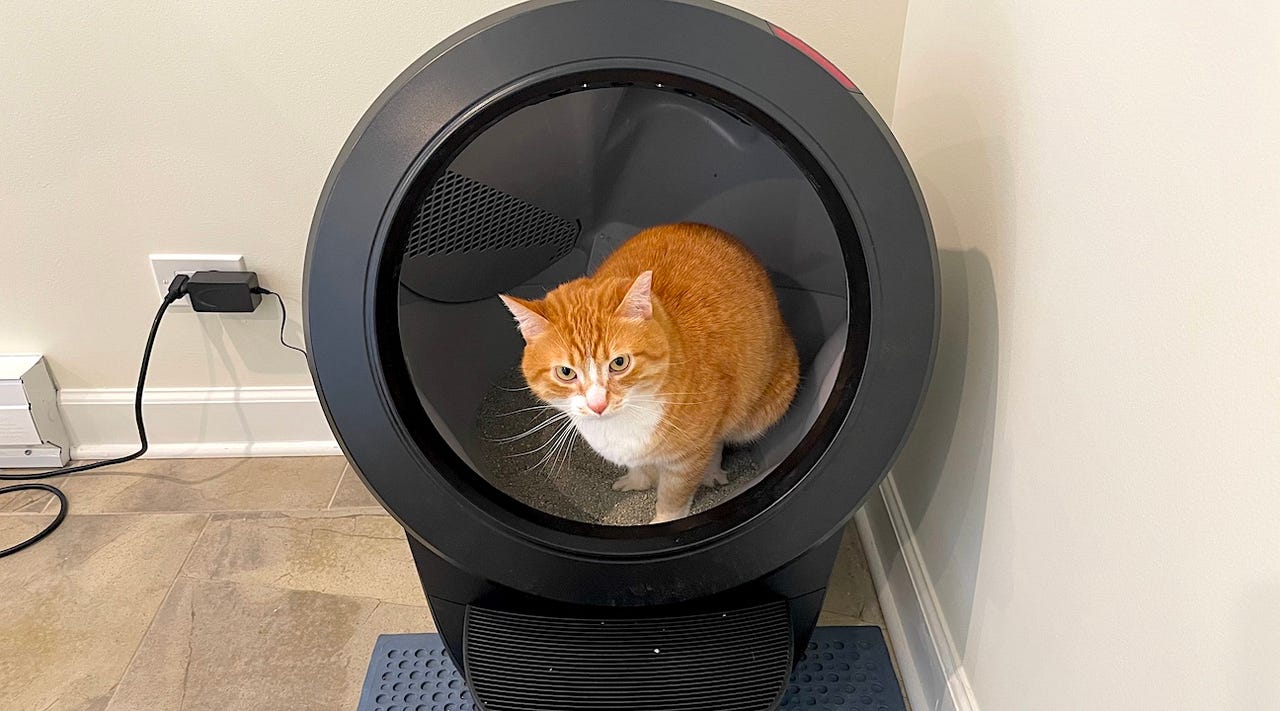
<point x="730" y="652"/>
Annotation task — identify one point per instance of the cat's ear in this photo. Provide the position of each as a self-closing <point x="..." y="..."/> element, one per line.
<point x="638" y="303"/>
<point x="532" y="323"/>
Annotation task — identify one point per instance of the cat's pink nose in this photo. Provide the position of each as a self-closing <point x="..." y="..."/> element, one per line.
<point x="597" y="400"/>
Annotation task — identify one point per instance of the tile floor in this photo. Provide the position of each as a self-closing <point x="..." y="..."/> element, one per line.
<point x="225" y="584"/>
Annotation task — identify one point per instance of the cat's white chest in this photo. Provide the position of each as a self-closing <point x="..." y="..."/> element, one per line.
<point x="626" y="438"/>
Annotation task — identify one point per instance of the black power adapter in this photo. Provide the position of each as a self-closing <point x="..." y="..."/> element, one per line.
<point x="232" y="293"/>
<point x="224" y="292"/>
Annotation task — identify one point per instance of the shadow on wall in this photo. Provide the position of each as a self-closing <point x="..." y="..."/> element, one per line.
<point x="255" y="337"/>
<point x="943" y="472"/>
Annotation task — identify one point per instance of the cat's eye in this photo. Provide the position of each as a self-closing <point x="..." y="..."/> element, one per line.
<point x="620" y="363"/>
<point x="564" y="373"/>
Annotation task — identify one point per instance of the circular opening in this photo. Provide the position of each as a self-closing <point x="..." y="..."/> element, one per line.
<point x="537" y="189"/>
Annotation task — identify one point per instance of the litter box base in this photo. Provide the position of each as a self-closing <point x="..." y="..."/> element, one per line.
<point x="474" y="618"/>
<point x="842" y="669"/>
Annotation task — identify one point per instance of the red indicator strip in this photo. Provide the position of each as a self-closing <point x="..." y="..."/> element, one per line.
<point x="813" y="54"/>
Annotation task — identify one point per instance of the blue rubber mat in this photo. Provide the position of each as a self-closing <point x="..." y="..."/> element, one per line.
<point x="844" y="669"/>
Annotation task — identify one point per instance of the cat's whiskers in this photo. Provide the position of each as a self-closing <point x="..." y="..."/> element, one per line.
<point x="561" y="438"/>
<point x="550" y="438"/>
<point x="525" y="409"/>
<point x="554" y="454"/>
<point x="535" y="428"/>
<point x="572" y="443"/>
<point x="570" y="440"/>
<point x="555" y="441"/>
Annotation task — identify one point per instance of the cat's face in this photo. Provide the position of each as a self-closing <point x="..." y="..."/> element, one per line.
<point x="592" y="347"/>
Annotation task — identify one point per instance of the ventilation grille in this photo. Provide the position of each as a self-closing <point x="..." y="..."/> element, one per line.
<point x="462" y="215"/>
<point x="726" y="661"/>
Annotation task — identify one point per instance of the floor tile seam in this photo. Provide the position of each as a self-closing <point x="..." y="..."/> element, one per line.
<point x="177" y="575"/>
<point x="337" y="487"/>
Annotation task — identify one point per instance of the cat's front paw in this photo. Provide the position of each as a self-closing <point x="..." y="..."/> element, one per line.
<point x="633" y="481"/>
<point x="716" y="477"/>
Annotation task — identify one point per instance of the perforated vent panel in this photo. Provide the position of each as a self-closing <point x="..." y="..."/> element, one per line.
<point x="412" y="672"/>
<point x="735" y="660"/>
<point x="462" y="215"/>
<point x="844" y="669"/>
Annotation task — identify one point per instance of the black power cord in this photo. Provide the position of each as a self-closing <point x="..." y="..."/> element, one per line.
<point x="284" y="317"/>
<point x="177" y="289"/>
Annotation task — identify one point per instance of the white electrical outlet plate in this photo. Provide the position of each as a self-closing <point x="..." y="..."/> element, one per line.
<point x="164" y="267"/>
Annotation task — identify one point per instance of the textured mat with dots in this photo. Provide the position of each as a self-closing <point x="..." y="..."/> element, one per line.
<point x="844" y="669"/>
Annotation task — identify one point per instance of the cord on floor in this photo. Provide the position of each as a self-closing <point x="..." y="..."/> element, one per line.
<point x="177" y="289"/>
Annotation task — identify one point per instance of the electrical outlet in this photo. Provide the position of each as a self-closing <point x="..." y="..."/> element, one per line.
<point x="164" y="267"/>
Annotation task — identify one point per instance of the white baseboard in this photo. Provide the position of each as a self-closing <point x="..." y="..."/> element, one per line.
<point x="932" y="669"/>
<point x="198" y="422"/>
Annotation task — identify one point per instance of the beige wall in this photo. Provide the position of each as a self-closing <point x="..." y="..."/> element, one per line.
<point x="1095" y="482"/>
<point x="132" y="128"/>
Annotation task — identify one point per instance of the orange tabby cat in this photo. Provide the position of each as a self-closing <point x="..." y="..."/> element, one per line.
<point x="672" y="348"/>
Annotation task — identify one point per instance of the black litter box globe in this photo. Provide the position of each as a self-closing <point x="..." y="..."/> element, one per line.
<point x="513" y="157"/>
